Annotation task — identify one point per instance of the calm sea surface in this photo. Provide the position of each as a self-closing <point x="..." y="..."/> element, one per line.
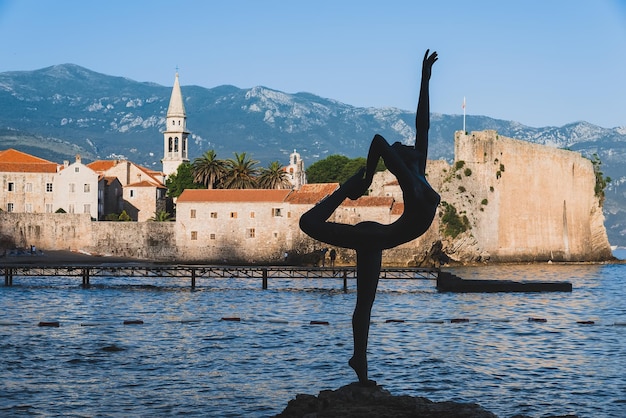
<point x="185" y="360"/>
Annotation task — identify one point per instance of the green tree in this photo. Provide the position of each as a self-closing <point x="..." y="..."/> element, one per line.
<point x="327" y="170"/>
<point x="337" y="169"/>
<point x="208" y="170"/>
<point x="161" y="216"/>
<point x="273" y="177"/>
<point x="124" y="217"/>
<point x="181" y="180"/>
<point x="350" y="168"/>
<point x="241" y="172"/>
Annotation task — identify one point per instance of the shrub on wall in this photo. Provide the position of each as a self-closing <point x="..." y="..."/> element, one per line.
<point x="452" y="223"/>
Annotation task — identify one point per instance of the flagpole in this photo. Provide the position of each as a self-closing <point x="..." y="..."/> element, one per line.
<point x="464" y="116"/>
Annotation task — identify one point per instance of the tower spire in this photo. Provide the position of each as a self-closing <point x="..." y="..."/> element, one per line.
<point x="175" y="135"/>
<point x="176" y="107"/>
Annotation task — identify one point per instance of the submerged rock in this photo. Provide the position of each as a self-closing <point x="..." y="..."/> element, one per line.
<point x="354" y="400"/>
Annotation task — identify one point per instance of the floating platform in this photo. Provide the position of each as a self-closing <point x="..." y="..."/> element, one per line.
<point x="448" y="282"/>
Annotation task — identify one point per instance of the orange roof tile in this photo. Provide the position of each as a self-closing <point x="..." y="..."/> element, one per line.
<point x="234" y="195"/>
<point x="145" y="183"/>
<point x="14" y="161"/>
<point x="369" y="201"/>
<point x="312" y="193"/>
<point x="397" y="208"/>
<point x="101" y="165"/>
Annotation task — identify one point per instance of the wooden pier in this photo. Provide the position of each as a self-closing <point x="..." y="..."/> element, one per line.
<point x="194" y="272"/>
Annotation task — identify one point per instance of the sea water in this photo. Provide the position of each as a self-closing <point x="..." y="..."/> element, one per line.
<point x="513" y="353"/>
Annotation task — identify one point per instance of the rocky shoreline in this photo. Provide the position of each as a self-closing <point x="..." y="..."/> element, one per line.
<point x="354" y="401"/>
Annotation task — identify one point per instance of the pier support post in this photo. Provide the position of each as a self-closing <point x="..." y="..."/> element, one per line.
<point x="345" y="281"/>
<point x="193" y="278"/>
<point x="8" y="276"/>
<point x="85" y="277"/>
<point x="264" y="271"/>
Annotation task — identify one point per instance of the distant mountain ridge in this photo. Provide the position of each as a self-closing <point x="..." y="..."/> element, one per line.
<point x="59" y="111"/>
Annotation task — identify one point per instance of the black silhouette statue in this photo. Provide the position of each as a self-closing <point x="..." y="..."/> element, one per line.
<point x="370" y="238"/>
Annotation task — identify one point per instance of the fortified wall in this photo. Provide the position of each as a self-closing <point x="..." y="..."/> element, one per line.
<point x="524" y="201"/>
<point x="503" y="200"/>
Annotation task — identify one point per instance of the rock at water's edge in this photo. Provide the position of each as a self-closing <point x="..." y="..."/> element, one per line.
<point x="354" y="400"/>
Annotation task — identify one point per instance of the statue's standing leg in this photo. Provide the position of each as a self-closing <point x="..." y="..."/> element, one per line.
<point x="368" y="271"/>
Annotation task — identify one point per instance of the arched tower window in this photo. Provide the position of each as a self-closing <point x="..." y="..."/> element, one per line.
<point x="170" y="144"/>
<point x="176" y="144"/>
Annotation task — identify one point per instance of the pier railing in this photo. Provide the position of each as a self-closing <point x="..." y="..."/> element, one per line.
<point x="194" y="272"/>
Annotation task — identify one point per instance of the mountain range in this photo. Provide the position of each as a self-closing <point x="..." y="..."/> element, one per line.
<point x="63" y="110"/>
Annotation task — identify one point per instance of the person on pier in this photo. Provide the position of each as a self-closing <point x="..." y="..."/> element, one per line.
<point x="368" y="238"/>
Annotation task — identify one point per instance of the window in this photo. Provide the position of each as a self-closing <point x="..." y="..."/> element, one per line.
<point x="250" y="232"/>
<point x="48" y="207"/>
<point x="9" y="207"/>
<point x="86" y="187"/>
<point x="28" y="208"/>
<point x="132" y="193"/>
<point x="276" y="212"/>
<point x="11" y="186"/>
<point x="214" y="215"/>
<point x="289" y="214"/>
<point x="192" y="213"/>
<point x="252" y="214"/>
<point x="48" y="187"/>
<point x="71" y="208"/>
<point x="233" y="214"/>
<point x="87" y="208"/>
<point x="29" y="187"/>
<point x="194" y="235"/>
<point x="72" y="187"/>
<point x="76" y="169"/>
<point x="212" y="236"/>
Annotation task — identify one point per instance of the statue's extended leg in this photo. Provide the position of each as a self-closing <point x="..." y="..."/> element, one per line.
<point x="368" y="271"/>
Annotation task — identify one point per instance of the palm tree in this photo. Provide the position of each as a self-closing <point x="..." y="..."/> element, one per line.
<point x="241" y="172"/>
<point x="208" y="170"/>
<point x="161" y="216"/>
<point x="274" y="177"/>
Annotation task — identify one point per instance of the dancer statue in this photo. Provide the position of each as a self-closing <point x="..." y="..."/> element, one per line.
<point x="368" y="238"/>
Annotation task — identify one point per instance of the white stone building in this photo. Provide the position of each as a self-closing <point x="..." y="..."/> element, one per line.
<point x="76" y="189"/>
<point x="26" y="183"/>
<point x="143" y="190"/>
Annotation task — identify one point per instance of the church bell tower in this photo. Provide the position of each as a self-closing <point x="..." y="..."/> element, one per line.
<point x="175" y="136"/>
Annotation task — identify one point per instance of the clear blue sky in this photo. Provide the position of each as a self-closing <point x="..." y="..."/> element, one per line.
<point x="538" y="62"/>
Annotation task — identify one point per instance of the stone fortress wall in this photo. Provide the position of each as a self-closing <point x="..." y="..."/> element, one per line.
<point x="521" y="201"/>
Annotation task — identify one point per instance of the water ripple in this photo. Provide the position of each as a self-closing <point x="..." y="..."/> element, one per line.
<point x="183" y="359"/>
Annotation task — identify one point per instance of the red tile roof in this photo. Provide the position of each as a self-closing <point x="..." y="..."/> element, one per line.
<point x="397" y="208"/>
<point x="369" y="201"/>
<point x="235" y="195"/>
<point x="101" y="165"/>
<point x="13" y="161"/>
<point x="146" y="183"/>
<point x="311" y="193"/>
